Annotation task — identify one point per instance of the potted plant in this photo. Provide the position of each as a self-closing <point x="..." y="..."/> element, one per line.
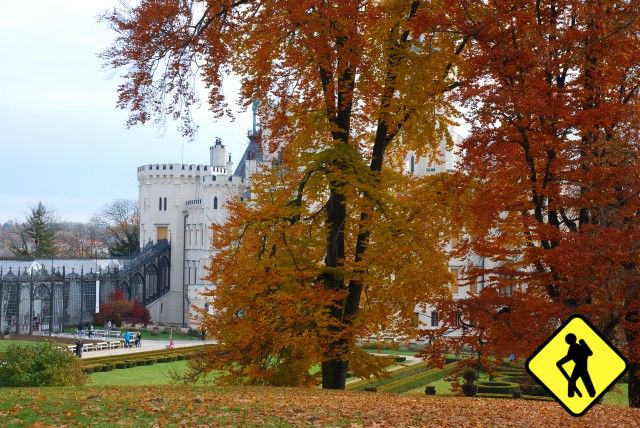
<point x="469" y="389"/>
<point x="430" y="390"/>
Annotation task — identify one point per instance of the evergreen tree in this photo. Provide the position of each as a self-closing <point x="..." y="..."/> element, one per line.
<point x="38" y="230"/>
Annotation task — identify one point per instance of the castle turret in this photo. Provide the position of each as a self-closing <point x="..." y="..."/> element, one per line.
<point x="218" y="153"/>
<point x="229" y="166"/>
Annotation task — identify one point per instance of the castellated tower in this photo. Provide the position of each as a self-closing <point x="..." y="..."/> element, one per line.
<point x="217" y="156"/>
<point x="178" y="203"/>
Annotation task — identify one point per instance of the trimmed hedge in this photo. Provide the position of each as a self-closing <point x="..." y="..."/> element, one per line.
<point x="393" y="375"/>
<point x="415" y="381"/>
<point x="534" y="390"/>
<point x="497" y="387"/>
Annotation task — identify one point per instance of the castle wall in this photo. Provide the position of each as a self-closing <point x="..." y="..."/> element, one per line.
<point x="195" y="196"/>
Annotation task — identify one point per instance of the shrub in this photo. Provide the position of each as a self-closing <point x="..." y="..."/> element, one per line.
<point x="400" y="359"/>
<point x="430" y="390"/>
<point x="121" y="365"/>
<point x="139" y="314"/>
<point x="469" y="389"/>
<point x="43" y="364"/>
<point x="119" y="310"/>
<point x="469" y="374"/>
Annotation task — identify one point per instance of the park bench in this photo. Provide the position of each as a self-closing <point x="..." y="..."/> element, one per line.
<point x="102" y="345"/>
<point x="88" y="347"/>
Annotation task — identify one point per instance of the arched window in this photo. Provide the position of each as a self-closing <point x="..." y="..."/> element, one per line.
<point x="165" y="204"/>
<point x="160" y="204"/>
<point x="413" y="164"/>
<point x="215" y="202"/>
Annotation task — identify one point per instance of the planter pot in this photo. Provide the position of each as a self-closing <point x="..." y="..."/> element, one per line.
<point x="469" y="389"/>
<point x="430" y="390"/>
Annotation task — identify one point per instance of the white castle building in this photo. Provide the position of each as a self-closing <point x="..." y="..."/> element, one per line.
<point x="179" y="202"/>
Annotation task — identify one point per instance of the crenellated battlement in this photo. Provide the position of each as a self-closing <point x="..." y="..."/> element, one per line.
<point x="223" y="179"/>
<point x="173" y="169"/>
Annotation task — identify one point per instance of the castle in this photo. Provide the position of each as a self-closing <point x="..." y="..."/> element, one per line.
<point x="179" y="202"/>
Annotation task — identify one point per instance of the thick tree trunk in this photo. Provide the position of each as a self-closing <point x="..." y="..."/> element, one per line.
<point x="334" y="374"/>
<point x="334" y="370"/>
<point x="633" y="353"/>
<point x="634" y="384"/>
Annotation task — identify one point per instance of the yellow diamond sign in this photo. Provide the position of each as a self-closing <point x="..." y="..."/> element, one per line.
<point x="577" y="365"/>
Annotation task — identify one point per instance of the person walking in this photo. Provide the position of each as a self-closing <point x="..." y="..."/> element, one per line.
<point x="578" y="353"/>
<point x="138" y="340"/>
<point x="79" y="348"/>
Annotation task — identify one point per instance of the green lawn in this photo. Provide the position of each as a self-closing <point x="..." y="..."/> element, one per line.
<point x="5" y="343"/>
<point x="155" y="374"/>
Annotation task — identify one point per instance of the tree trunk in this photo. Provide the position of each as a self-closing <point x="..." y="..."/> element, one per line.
<point x="334" y="370"/>
<point x="634" y="384"/>
<point x="334" y="374"/>
<point x="633" y="353"/>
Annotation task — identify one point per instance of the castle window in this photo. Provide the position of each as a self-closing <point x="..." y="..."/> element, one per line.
<point x="165" y="204"/>
<point x="413" y="164"/>
<point x="160" y="204"/>
<point x="434" y="318"/>
<point x="215" y="202"/>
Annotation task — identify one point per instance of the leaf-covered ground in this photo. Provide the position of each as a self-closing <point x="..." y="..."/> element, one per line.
<point x="207" y="406"/>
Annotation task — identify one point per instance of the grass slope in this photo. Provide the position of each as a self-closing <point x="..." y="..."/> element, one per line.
<point x="192" y="405"/>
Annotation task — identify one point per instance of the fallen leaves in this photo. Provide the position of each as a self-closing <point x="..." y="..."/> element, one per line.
<point x="203" y="406"/>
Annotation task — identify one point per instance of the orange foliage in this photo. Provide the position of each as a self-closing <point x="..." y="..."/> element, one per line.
<point x="349" y="87"/>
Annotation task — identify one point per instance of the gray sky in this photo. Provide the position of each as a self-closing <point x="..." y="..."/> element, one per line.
<point x="62" y="140"/>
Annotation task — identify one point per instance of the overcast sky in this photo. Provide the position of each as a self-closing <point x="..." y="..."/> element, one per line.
<point x="62" y="139"/>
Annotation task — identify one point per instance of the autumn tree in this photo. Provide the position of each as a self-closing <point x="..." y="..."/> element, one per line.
<point x="36" y="236"/>
<point x="552" y="173"/>
<point x="120" y="219"/>
<point x="348" y="88"/>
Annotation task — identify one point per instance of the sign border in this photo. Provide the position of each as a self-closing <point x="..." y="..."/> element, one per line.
<point x="604" y="339"/>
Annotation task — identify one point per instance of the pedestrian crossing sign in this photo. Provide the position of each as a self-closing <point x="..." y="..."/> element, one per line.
<point x="577" y="365"/>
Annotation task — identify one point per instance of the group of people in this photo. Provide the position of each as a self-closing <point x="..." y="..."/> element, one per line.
<point x="131" y="337"/>
<point x="81" y="332"/>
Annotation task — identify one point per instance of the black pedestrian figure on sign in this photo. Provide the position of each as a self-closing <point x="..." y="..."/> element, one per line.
<point x="578" y="353"/>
